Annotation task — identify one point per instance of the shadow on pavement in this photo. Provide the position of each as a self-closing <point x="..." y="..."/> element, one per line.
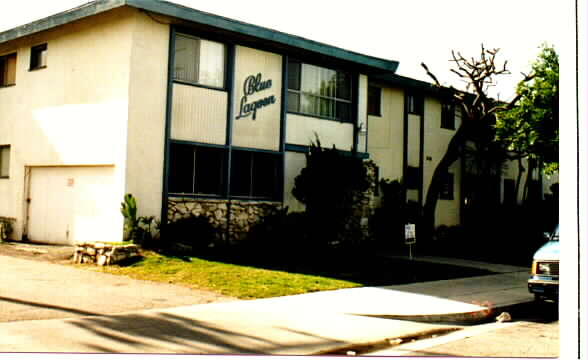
<point x="49" y="306"/>
<point x="168" y="333"/>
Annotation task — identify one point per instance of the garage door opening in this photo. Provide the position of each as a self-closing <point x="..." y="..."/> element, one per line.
<point x="73" y="204"/>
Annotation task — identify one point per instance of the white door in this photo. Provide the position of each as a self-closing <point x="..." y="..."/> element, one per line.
<point x="70" y="205"/>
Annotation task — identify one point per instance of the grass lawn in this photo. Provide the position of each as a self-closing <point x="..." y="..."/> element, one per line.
<point x="244" y="282"/>
<point x="254" y="279"/>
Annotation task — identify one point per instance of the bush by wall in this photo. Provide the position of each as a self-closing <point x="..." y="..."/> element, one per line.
<point x="330" y="186"/>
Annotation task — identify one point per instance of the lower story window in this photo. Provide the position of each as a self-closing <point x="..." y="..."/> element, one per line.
<point x="197" y="170"/>
<point x="255" y="175"/>
<point x="203" y="170"/>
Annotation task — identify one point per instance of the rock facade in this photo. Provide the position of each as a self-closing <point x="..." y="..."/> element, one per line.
<point x="104" y="254"/>
<point x="233" y="219"/>
<point x="6" y="227"/>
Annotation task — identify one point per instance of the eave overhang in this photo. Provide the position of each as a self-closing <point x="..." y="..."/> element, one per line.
<point x="271" y="37"/>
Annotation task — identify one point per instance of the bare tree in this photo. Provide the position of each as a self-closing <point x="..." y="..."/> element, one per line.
<point x="478" y="115"/>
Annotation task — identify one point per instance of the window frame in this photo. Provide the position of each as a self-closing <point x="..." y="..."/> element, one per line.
<point x="413" y="178"/>
<point x="415" y="104"/>
<point x="351" y="102"/>
<point x="227" y="170"/>
<point x="36" y="58"/>
<point x="5" y="148"/>
<point x="225" y="64"/>
<point x="4" y="69"/>
<point x="252" y="185"/>
<point x="370" y="97"/>
<point x="448" y="113"/>
<point x="193" y="148"/>
<point x="447" y="191"/>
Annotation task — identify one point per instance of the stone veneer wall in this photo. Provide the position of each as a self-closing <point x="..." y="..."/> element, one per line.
<point x="243" y="214"/>
<point x="6" y="227"/>
<point x="104" y="254"/>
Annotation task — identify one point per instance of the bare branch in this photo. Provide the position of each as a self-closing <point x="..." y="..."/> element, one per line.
<point x="431" y="75"/>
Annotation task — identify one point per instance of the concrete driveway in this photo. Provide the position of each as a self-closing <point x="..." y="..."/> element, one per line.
<point x="36" y="290"/>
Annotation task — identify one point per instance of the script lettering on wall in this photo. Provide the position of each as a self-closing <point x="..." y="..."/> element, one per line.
<point x="252" y="85"/>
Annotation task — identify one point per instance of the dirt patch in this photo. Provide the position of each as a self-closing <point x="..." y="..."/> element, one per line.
<point x="39" y="283"/>
<point x="56" y="254"/>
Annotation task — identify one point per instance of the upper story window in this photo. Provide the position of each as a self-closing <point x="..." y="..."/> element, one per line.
<point x="374" y="101"/>
<point x="415" y="104"/>
<point x="8" y="70"/>
<point x="318" y="91"/>
<point x="199" y="61"/>
<point x="38" y="57"/>
<point x="4" y="161"/>
<point x="448" y="116"/>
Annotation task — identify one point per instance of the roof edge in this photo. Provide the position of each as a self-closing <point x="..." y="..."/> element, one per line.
<point x="197" y="16"/>
<point x="62" y="18"/>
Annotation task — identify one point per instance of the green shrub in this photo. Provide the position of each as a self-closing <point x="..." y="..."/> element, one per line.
<point x="329" y="186"/>
<point x="387" y="222"/>
<point x="141" y="230"/>
<point x="281" y="235"/>
<point x="195" y="233"/>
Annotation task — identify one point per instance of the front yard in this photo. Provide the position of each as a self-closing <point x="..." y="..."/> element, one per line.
<point x="254" y="279"/>
<point x="247" y="276"/>
<point x="244" y="282"/>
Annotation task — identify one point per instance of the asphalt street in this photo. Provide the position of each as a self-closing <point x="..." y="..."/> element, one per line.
<point x="532" y="333"/>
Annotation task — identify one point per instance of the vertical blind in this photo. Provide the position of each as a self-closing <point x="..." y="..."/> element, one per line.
<point x="199" y="61"/>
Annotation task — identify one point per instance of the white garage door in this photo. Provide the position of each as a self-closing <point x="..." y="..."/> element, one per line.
<point x="70" y="205"/>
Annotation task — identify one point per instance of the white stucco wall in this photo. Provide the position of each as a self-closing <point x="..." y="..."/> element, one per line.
<point x="74" y="111"/>
<point x="386" y="134"/>
<point x="147" y="91"/>
<point x="436" y="140"/>
<point x="301" y="130"/>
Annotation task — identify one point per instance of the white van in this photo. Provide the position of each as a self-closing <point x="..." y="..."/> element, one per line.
<point x="544" y="279"/>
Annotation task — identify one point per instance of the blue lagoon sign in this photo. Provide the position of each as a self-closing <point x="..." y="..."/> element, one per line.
<point x="252" y="85"/>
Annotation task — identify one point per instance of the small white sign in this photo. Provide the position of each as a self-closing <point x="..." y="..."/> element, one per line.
<point x="409" y="233"/>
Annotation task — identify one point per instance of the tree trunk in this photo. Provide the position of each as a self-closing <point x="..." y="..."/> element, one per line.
<point x="519" y="178"/>
<point x="526" y="195"/>
<point x="451" y="155"/>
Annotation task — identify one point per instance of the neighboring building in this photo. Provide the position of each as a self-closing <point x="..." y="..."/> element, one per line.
<point x="193" y="113"/>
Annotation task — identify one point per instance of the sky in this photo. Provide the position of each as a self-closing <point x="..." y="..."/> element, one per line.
<point x="410" y="32"/>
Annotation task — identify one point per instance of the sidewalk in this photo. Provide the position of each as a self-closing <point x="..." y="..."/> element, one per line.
<point x="293" y="325"/>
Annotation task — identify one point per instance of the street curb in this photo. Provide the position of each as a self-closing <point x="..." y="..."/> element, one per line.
<point x="370" y="346"/>
<point x="468" y="318"/>
<point x="471" y="317"/>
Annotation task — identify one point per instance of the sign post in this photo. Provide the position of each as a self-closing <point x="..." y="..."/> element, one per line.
<point x="409" y="237"/>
